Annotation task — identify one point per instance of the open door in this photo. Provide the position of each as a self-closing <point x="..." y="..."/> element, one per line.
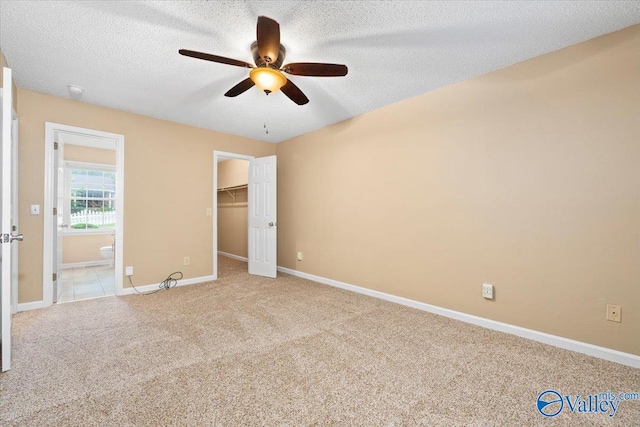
<point x="263" y="233"/>
<point x="58" y="208"/>
<point x="8" y="226"/>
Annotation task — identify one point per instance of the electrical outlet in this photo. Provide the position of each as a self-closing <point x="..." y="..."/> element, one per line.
<point x="299" y="256"/>
<point x="614" y="313"/>
<point x="487" y="291"/>
<point x="128" y="271"/>
<point x="187" y="260"/>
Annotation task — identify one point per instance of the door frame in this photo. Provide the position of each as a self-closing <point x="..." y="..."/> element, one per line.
<point x="49" y="153"/>
<point x="217" y="156"/>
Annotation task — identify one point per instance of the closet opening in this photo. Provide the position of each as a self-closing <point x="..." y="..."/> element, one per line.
<point x="231" y="202"/>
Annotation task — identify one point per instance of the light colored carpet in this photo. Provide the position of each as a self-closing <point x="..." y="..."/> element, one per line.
<point x="247" y="350"/>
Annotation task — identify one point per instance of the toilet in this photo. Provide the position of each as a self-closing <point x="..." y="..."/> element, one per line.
<point x="107" y="253"/>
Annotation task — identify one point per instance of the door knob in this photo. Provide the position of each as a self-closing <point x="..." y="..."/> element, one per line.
<point x="18" y="237"/>
<point x="271" y="224"/>
<point x="64" y="226"/>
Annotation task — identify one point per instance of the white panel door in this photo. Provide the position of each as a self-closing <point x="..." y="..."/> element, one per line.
<point x="7" y="220"/>
<point x="262" y="217"/>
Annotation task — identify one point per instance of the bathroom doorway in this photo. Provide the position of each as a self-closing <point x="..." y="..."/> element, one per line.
<point x="87" y="194"/>
<point x="86" y="199"/>
<point x="87" y="203"/>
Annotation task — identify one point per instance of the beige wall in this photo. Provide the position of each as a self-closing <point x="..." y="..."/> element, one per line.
<point x="79" y="153"/>
<point x="527" y="178"/>
<point x="232" y="222"/>
<point x="232" y="215"/>
<point x="172" y="180"/>
<point x="233" y="172"/>
<point x="3" y="63"/>
<point x="84" y="247"/>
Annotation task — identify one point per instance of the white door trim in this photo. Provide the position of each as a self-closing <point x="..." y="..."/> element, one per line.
<point x="217" y="156"/>
<point x="47" y="268"/>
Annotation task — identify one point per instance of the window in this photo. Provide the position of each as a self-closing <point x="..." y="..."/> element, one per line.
<point x="91" y="193"/>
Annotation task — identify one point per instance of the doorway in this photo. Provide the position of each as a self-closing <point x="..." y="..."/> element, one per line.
<point x="233" y="183"/>
<point x="230" y="206"/>
<point x="84" y="187"/>
<point x="261" y="213"/>
<point x="87" y="210"/>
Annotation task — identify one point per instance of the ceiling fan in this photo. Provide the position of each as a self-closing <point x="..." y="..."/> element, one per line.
<point x="268" y="55"/>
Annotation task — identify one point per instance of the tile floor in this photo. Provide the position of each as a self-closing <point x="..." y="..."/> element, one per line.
<point x="87" y="282"/>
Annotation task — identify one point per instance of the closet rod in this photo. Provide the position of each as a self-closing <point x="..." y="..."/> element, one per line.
<point x="234" y="188"/>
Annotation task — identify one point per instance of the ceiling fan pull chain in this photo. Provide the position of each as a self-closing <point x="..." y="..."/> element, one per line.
<point x="266" y="118"/>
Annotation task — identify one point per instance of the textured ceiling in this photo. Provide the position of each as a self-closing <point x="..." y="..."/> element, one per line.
<point x="125" y="53"/>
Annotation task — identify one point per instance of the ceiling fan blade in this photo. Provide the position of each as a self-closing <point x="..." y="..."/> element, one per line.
<point x="294" y="93"/>
<point x="214" y="58"/>
<point x="241" y="87"/>
<point x="268" y="33"/>
<point x="316" y="69"/>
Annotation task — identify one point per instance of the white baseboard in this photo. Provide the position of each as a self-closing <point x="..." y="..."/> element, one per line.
<point x="33" y="305"/>
<point x="238" y="257"/>
<point x="153" y="287"/>
<point x="86" y="264"/>
<point x="556" y="341"/>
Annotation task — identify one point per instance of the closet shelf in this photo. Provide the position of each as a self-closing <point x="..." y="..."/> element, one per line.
<point x="234" y="188"/>
<point x="233" y="205"/>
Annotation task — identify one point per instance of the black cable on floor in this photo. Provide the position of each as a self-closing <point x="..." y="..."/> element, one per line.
<point x="168" y="283"/>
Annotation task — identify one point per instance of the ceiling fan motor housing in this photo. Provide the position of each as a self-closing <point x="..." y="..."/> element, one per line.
<point x="261" y="62"/>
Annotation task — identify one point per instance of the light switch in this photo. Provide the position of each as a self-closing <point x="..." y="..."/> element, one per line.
<point x="35" y="210"/>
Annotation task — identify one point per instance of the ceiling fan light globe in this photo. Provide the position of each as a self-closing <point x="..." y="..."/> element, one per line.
<point x="267" y="79"/>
